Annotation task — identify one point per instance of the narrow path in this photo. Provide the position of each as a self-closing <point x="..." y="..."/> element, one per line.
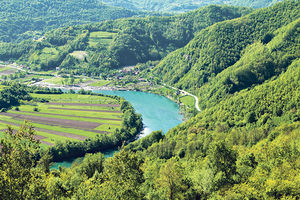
<point x="187" y="93"/>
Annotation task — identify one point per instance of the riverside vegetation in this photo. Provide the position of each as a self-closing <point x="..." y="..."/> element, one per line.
<point x="244" y="144"/>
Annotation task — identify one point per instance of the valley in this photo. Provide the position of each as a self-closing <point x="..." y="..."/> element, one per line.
<point x="198" y="105"/>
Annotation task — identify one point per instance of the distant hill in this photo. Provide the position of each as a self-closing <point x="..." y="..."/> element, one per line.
<point x="183" y="5"/>
<point x="116" y="43"/>
<point x="21" y="19"/>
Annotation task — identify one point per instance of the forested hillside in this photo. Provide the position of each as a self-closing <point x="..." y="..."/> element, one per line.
<point x="23" y="19"/>
<point x="244" y="147"/>
<point x="113" y="44"/>
<point x="244" y="144"/>
<point x="240" y="46"/>
<point x="183" y="5"/>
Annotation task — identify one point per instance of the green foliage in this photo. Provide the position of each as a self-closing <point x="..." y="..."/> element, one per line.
<point x="17" y="161"/>
<point x="24" y="19"/>
<point x="226" y="44"/>
<point x="12" y="95"/>
<point x="243" y="145"/>
<point x="122" y="177"/>
<point x="111" y="44"/>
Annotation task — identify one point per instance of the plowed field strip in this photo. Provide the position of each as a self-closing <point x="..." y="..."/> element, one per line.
<point x="54" y="121"/>
<point x="69" y="135"/>
<point x="84" y="104"/>
<point x="47" y="143"/>
<point x="73" y="116"/>
<point x="106" y="111"/>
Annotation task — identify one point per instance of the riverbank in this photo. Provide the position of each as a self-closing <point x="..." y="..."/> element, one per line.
<point x="172" y="93"/>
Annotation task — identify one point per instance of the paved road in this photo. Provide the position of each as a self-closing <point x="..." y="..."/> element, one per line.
<point x="187" y="93"/>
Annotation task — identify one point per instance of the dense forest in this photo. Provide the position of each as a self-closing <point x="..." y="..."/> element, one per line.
<point x="251" y="49"/>
<point x="112" y="44"/>
<point x="183" y="5"/>
<point x="244" y="144"/>
<point x="24" y="19"/>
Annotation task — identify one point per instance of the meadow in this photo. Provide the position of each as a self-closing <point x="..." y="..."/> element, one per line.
<point x="65" y="117"/>
<point x="188" y="101"/>
<point x="102" y="37"/>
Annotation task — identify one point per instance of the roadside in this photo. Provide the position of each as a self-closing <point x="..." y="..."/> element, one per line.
<point x="187" y="93"/>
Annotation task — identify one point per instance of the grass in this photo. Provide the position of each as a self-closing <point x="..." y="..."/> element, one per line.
<point x="30" y="77"/>
<point x="65" y="81"/>
<point x="44" y="55"/>
<point x="188" y="101"/>
<point x="4" y="68"/>
<point x="106" y="125"/>
<point x="81" y="55"/>
<point x="66" y="112"/>
<point x="102" y="37"/>
<point x="100" y="83"/>
<point x="77" y="98"/>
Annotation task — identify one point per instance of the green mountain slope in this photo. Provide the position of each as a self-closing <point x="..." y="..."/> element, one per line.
<point x="222" y="45"/>
<point x="116" y="43"/>
<point x="22" y="19"/>
<point x="183" y="5"/>
<point x="244" y="144"/>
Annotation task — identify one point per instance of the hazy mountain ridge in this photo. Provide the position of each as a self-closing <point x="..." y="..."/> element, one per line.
<point x="183" y="5"/>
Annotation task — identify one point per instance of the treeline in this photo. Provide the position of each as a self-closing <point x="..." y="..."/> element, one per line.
<point x="29" y="19"/>
<point x="137" y="40"/>
<point x="12" y="95"/>
<point x="183" y="5"/>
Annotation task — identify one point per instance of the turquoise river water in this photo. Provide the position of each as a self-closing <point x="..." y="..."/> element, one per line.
<point x="158" y="112"/>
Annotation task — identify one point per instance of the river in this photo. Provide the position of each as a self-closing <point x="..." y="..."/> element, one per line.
<point x="158" y="112"/>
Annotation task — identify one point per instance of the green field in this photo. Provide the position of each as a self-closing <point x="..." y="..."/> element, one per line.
<point x="100" y="83"/>
<point x="66" y="117"/>
<point x="81" y="55"/>
<point x="44" y="55"/>
<point x="65" y="81"/>
<point x="4" y="68"/>
<point x="188" y="101"/>
<point x="102" y="37"/>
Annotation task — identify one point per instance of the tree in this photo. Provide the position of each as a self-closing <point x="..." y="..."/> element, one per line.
<point x="18" y="153"/>
<point x="122" y="177"/>
<point x="171" y="180"/>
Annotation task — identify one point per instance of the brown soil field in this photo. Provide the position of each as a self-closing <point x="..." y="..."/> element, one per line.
<point x="108" y="111"/>
<point x="42" y="113"/>
<point x="83" y="104"/>
<point x="69" y="135"/>
<point x="54" y="121"/>
<point x="47" y="143"/>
